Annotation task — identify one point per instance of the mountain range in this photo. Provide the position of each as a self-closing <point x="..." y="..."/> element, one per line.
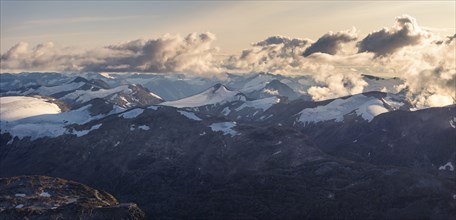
<point x="243" y="146"/>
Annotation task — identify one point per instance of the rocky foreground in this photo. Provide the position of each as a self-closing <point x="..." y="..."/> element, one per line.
<point x="42" y="197"/>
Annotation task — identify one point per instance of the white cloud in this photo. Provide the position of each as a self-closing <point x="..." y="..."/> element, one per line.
<point x="425" y="61"/>
<point x="170" y="53"/>
<point x="275" y="54"/>
<point x="335" y="84"/>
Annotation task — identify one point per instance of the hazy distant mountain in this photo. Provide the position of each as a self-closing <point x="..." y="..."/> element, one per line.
<point x="171" y="87"/>
<point x="79" y="90"/>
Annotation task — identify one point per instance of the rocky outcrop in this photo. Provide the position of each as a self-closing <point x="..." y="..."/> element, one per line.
<point x="42" y="197"/>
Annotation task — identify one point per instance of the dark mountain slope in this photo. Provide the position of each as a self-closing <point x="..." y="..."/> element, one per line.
<point x="176" y="167"/>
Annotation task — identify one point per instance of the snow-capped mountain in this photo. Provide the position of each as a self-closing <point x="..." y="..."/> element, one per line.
<point x="43" y="119"/>
<point x="79" y="90"/>
<point x="218" y="94"/>
<point x="18" y="107"/>
<point x="16" y="81"/>
<point x="250" y="149"/>
<point x="171" y="87"/>
<point x="301" y="112"/>
<point x="367" y="106"/>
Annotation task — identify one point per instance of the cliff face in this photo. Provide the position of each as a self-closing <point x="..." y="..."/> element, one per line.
<point x="42" y="197"/>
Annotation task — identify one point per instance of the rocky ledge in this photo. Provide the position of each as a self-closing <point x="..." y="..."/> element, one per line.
<point x="42" y="197"/>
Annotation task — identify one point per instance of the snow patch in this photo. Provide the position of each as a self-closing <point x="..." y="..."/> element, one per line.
<point x="226" y="111"/>
<point x="45" y="194"/>
<point x="189" y="115"/>
<point x="448" y="166"/>
<point x="271" y="92"/>
<point x="155" y="95"/>
<point x="394" y="104"/>
<point x="278" y="152"/>
<point x="225" y="127"/>
<point x="144" y="127"/>
<point x="370" y="109"/>
<point x="19" y="195"/>
<point x="132" y="113"/>
<point x="257" y="83"/>
<point x="85" y="132"/>
<point x="262" y="104"/>
<point x="107" y="75"/>
<point x="153" y="107"/>
<point x="453" y="122"/>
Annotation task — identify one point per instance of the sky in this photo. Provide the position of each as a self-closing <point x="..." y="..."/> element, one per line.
<point x="237" y="24"/>
<point x="333" y="42"/>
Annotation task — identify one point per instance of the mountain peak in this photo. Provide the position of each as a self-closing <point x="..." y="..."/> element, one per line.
<point x="215" y="94"/>
<point x="80" y="79"/>
<point x="218" y="86"/>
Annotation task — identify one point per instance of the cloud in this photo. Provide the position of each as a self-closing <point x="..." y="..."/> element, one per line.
<point x="448" y="40"/>
<point x="275" y="54"/>
<point x="40" y="58"/>
<point x="424" y="61"/>
<point x="331" y="43"/>
<point x="429" y="72"/>
<point x="333" y="84"/>
<point x="281" y="40"/>
<point x="332" y="74"/>
<point x="405" y="32"/>
<point x="170" y="53"/>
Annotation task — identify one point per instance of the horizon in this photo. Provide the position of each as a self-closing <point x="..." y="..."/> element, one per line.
<point x="87" y="25"/>
<point x="334" y="43"/>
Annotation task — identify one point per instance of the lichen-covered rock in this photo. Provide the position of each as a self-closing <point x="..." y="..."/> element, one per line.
<point x="42" y="197"/>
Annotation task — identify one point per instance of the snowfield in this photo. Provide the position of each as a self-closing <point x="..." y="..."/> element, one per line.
<point x="84" y="132"/>
<point x="51" y="125"/>
<point x="189" y="115"/>
<point x="225" y="127"/>
<point x="361" y="105"/>
<point x="44" y="90"/>
<point x="18" y="107"/>
<point x="82" y="96"/>
<point x="263" y="104"/>
<point x="217" y="94"/>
